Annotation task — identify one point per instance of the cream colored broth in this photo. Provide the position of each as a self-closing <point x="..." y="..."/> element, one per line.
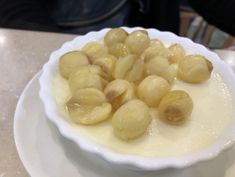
<point x="211" y="115"/>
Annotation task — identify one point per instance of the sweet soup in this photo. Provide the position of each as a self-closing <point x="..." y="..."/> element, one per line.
<point x="176" y="107"/>
<point x="210" y="116"/>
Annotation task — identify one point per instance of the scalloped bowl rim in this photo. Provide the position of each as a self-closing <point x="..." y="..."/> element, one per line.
<point x="134" y="161"/>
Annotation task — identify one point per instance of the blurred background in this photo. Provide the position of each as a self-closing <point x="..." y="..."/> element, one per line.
<point x="210" y="22"/>
<point x="195" y="27"/>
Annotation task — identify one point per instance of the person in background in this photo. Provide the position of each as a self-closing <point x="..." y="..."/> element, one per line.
<point x="81" y="16"/>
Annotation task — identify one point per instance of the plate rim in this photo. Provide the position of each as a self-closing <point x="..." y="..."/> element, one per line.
<point x="15" y="125"/>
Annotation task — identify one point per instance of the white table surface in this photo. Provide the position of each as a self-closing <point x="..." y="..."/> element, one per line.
<point x="22" y="55"/>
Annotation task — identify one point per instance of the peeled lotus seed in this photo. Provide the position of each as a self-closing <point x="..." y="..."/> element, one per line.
<point x="129" y="67"/>
<point x="136" y="72"/>
<point x="95" y="50"/>
<point x="88" y="96"/>
<point x="107" y="63"/>
<point x="152" y="89"/>
<point x="114" y="36"/>
<point x="178" y="53"/>
<point x="71" y="61"/>
<point x="118" y="50"/>
<point x="169" y="74"/>
<point x="137" y="41"/>
<point x="156" y="43"/>
<point x="88" y="106"/>
<point x="131" y="120"/>
<point x="155" y="51"/>
<point x="118" y="92"/>
<point x="87" y="77"/>
<point x="194" y="69"/>
<point x="176" y="106"/>
<point x="157" y="65"/>
<point x="95" y="69"/>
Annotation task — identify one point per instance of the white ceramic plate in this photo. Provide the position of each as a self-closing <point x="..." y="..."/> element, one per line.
<point x="50" y="70"/>
<point x="45" y="153"/>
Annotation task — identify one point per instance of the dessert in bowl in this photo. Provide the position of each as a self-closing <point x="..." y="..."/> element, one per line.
<point x="124" y="118"/>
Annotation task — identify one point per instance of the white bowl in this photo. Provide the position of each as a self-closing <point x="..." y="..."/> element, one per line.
<point x="50" y="70"/>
